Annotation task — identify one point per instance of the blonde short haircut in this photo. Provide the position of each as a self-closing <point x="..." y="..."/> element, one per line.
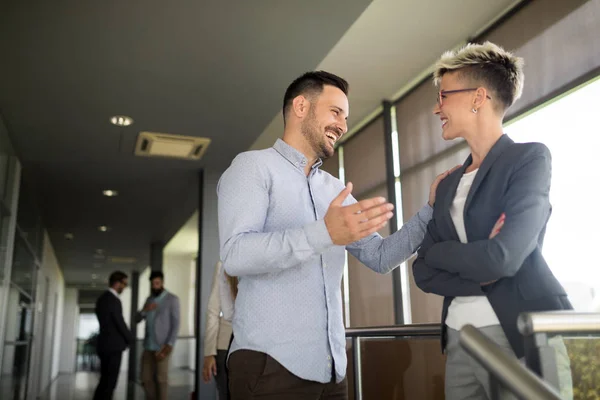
<point x="487" y="65"/>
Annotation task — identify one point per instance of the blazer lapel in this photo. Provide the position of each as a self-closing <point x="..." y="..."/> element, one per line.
<point x="498" y="148"/>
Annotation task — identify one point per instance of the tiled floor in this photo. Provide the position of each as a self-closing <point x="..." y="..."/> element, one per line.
<point x="81" y="386"/>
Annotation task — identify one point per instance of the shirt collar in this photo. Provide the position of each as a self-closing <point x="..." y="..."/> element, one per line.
<point x="294" y="156"/>
<point x="113" y="291"/>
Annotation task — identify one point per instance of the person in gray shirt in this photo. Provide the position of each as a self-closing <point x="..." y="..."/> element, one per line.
<point x="284" y="225"/>
<point x="161" y="312"/>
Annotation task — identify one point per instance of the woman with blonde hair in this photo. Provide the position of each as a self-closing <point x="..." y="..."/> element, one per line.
<point x="218" y="329"/>
<point x="483" y="247"/>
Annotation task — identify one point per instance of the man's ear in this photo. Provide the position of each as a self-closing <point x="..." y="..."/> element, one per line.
<point x="300" y="106"/>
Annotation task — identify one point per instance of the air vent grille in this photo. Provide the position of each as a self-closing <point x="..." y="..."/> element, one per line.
<point x="152" y="144"/>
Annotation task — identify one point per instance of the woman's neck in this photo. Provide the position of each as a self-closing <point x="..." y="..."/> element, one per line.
<point x="481" y="142"/>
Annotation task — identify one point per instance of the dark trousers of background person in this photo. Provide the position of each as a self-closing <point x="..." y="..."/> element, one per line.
<point x="110" y="365"/>
<point x="222" y="375"/>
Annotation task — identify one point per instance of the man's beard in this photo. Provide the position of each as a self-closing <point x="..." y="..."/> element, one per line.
<point x="315" y="135"/>
<point x="157" y="292"/>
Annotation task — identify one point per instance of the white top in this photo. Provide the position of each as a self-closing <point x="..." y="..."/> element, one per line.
<point x="218" y="328"/>
<point x="113" y="291"/>
<point x="474" y="310"/>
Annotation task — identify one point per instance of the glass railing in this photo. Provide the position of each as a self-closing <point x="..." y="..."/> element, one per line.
<point x="397" y="362"/>
<point x="507" y="374"/>
<point x="563" y="347"/>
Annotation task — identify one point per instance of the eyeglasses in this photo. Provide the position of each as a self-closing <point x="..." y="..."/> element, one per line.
<point x="443" y="93"/>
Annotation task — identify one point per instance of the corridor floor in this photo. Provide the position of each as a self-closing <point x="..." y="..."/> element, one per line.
<point x="81" y="386"/>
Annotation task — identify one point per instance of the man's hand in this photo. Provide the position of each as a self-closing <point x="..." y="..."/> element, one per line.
<point x="163" y="352"/>
<point x="210" y="368"/>
<point x="347" y="224"/>
<point x="436" y="182"/>
<point x="496" y="230"/>
<point x="150" y="307"/>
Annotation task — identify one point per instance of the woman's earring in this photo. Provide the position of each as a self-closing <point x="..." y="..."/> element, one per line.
<point x="474" y="110"/>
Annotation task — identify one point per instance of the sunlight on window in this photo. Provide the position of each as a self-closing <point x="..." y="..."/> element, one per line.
<point x="570" y="130"/>
<point x="88" y="325"/>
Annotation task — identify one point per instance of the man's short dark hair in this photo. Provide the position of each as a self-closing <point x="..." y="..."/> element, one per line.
<point x="311" y="84"/>
<point x="116" y="277"/>
<point x="157" y="274"/>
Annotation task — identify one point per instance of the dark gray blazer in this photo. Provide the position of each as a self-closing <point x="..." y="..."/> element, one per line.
<point x="514" y="179"/>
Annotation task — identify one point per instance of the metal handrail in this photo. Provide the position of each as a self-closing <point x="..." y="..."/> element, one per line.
<point x="396" y="331"/>
<point x="400" y="331"/>
<point x="504" y="368"/>
<point x="558" y="322"/>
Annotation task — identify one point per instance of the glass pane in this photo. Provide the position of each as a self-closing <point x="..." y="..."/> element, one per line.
<point x="4" y="162"/>
<point x="23" y="268"/>
<point x="4" y="226"/>
<point x="19" y="319"/>
<point x="568" y="127"/>
<point x="398" y="369"/>
<point x="28" y="219"/>
<point x="584" y="353"/>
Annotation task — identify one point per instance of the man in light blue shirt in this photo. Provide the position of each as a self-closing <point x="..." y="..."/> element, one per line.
<point x="284" y="225"/>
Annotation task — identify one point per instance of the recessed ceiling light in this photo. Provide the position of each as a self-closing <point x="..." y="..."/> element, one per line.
<point x="121" y="120"/>
<point x="97" y="265"/>
<point x="103" y="228"/>
<point x="69" y="236"/>
<point x="94" y="276"/>
<point x="110" y="193"/>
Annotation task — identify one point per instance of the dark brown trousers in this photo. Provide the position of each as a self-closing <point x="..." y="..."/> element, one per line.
<point x="255" y="375"/>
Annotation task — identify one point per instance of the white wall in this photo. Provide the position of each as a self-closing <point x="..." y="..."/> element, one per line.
<point x="177" y="270"/>
<point x="143" y="293"/>
<point x="70" y="327"/>
<point x="126" y="304"/>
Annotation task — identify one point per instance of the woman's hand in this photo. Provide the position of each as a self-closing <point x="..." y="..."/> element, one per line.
<point x="210" y="368"/>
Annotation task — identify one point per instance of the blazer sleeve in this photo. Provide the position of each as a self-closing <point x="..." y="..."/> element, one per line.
<point x="527" y="209"/>
<point x="141" y="315"/>
<point x="212" y="316"/>
<point x="117" y="316"/>
<point x="436" y="281"/>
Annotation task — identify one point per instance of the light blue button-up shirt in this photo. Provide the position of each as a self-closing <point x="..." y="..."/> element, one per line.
<point x="150" y="343"/>
<point x="273" y="237"/>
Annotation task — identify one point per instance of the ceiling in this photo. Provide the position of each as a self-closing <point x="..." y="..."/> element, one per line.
<point x="189" y="68"/>
<point x="395" y="44"/>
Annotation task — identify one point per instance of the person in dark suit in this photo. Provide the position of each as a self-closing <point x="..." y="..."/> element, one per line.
<point x="114" y="335"/>
<point x="483" y="247"/>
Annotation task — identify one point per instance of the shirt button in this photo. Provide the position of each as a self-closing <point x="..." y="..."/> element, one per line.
<point x="324" y="265"/>
<point x="329" y="365"/>
<point x="328" y="357"/>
